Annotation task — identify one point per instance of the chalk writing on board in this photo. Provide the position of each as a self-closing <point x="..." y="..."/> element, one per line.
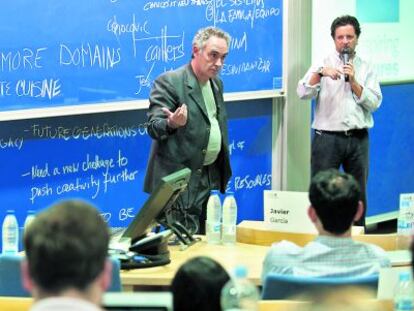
<point x="116" y="54"/>
<point x="11" y="143"/>
<point x="250" y="182"/>
<point x="104" y="173"/>
<point x="86" y="132"/>
<point x="125" y="213"/>
<point x="260" y="65"/>
<point x="24" y="59"/>
<point x="236" y="145"/>
<point x="89" y="55"/>
<point x="106" y="216"/>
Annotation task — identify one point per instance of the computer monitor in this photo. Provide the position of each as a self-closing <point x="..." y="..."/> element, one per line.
<point x="160" y="199"/>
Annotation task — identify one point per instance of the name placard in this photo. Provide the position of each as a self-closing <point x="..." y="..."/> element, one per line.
<point x="287" y="211"/>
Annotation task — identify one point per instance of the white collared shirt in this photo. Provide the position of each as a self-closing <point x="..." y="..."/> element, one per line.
<point x="64" y="304"/>
<point x="337" y="107"/>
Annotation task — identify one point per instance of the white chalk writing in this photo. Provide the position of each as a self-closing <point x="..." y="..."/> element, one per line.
<point x="250" y="182"/>
<point x="11" y="143"/>
<point x="86" y="132"/>
<point x="106" y="171"/>
<point x="26" y="59"/>
<point x="88" y="55"/>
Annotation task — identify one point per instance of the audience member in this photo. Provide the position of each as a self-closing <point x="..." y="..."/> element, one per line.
<point x="335" y="205"/>
<point x="66" y="265"/>
<point x="197" y="285"/>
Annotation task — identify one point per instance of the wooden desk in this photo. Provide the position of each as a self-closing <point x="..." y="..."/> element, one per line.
<point x="251" y="256"/>
<point x="254" y="239"/>
<point x="260" y="233"/>
<point x="291" y="305"/>
<point x="15" y="303"/>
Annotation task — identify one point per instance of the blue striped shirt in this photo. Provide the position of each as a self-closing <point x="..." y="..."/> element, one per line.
<point x="325" y="256"/>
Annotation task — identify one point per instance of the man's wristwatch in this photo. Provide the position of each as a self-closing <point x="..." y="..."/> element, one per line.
<point x="320" y="72"/>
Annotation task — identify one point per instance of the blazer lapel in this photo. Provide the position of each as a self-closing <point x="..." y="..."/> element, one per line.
<point x="195" y="91"/>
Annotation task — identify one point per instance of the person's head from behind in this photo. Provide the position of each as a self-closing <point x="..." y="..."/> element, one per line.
<point x="66" y="249"/>
<point x="210" y="48"/>
<point x="197" y="285"/>
<point x="335" y="201"/>
<point x="345" y="31"/>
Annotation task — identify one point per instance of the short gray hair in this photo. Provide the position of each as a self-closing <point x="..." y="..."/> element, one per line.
<point x="206" y="33"/>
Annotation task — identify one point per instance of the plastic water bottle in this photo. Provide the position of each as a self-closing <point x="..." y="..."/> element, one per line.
<point x="405" y="224"/>
<point x="213" y="222"/>
<point x="404" y="293"/>
<point x="403" y="234"/>
<point x="239" y="293"/>
<point x="10" y="236"/>
<point x="229" y="218"/>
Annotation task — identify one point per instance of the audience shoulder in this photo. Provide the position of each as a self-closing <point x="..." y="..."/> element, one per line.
<point x="377" y="253"/>
<point x="286" y="248"/>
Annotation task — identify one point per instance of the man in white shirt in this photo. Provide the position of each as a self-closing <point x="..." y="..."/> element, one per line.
<point x="347" y="92"/>
<point x="335" y="205"/>
<point x="66" y="265"/>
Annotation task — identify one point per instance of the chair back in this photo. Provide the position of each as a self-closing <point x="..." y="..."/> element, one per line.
<point x="278" y="286"/>
<point x="11" y="283"/>
<point x="10" y="276"/>
<point x="116" y="276"/>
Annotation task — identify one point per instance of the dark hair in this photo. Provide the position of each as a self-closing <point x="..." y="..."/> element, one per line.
<point x="197" y="285"/>
<point x="334" y="195"/>
<point x="343" y="21"/>
<point x="66" y="246"/>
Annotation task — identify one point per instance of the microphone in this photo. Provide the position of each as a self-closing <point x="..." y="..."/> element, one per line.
<point x="346" y="53"/>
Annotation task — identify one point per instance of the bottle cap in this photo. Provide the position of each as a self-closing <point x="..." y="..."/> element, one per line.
<point x="240" y="272"/>
<point x="404" y="276"/>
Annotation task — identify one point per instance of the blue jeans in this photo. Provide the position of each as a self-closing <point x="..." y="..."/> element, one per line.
<point x="351" y="152"/>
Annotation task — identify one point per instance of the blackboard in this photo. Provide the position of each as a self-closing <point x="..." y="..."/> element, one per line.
<point x="102" y="158"/>
<point x="392" y="150"/>
<point x="75" y="52"/>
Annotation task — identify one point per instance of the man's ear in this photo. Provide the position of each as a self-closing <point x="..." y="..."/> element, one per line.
<point x="195" y="49"/>
<point x="27" y="281"/>
<point x="360" y="211"/>
<point x="106" y="275"/>
<point x="312" y="214"/>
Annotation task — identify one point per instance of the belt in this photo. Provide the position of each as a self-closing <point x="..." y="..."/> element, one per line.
<point x="354" y="132"/>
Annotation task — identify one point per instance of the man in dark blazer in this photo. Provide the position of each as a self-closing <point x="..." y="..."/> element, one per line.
<point x="187" y="121"/>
